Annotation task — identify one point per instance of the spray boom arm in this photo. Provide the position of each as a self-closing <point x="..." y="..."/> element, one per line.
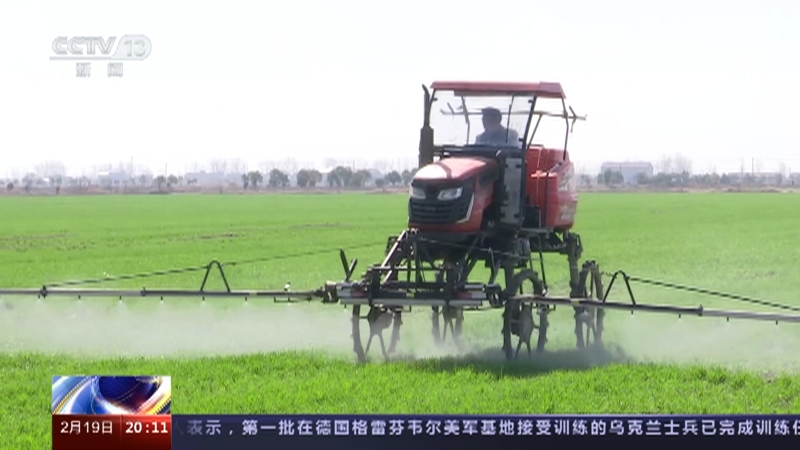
<point x="376" y="288"/>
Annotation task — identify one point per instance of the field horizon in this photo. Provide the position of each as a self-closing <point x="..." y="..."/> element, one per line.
<point x="231" y="356"/>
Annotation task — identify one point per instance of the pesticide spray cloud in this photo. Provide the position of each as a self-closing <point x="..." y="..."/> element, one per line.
<point x="190" y="328"/>
<point x="135" y="328"/>
<point x="738" y="344"/>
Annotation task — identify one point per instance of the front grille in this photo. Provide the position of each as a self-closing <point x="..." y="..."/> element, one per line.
<point x="434" y="211"/>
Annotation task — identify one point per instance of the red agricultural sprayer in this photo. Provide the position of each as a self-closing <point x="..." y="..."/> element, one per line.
<point x="485" y="193"/>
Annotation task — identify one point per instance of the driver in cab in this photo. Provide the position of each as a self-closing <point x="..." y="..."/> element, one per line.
<point x="494" y="132"/>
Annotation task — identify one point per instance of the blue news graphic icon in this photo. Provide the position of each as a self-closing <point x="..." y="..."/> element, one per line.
<point x="116" y="395"/>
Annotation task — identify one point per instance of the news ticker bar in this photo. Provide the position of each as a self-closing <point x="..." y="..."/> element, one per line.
<point x="301" y="432"/>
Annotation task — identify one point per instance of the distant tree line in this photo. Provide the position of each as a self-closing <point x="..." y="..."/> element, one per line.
<point x="340" y="177"/>
<point x="674" y="170"/>
<point x="677" y="171"/>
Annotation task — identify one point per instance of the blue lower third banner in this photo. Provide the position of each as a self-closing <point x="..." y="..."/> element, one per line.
<point x="417" y="432"/>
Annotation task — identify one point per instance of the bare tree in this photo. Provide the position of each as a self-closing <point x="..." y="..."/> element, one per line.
<point x="237" y="165"/>
<point x="290" y="165"/>
<point x="218" y="166"/>
<point x="51" y="169"/>
<point x="783" y="173"/>
<point x="581" y="170"/>
<point x="682" y="164"/>
<point x="408" y="163"/>
<point x="359" y="164"/>
<point x="783" y="169"/>
<point x="383" y="165"/>
<point x="665" y="165"/>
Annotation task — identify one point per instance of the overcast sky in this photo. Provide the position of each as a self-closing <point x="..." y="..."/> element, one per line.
<point x="715" y="80"/>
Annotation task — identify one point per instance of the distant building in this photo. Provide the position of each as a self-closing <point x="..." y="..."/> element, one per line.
<point x="374" y="174"/>
<point x="113" y="178"/>
<point x="324" y="181"/>
<point x="768" y="178"/>
<point x="204" y="178"/>
<point x="794" y="178"/>
<point x="631" y="171"/>
<point x="734" y="177"/>
<point x="762" y="178"/>
<point x="234" y="178"/>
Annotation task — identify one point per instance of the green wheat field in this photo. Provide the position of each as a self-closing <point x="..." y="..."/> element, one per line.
<point x="232" y="356"/>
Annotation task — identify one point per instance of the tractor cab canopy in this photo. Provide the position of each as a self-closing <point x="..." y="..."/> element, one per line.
<point x="491" y="115"/>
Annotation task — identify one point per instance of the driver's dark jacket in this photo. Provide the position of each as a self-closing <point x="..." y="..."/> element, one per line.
<point x="498" y="136"/>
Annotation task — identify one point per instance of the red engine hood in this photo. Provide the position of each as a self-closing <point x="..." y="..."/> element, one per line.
<point x="454" y="169"/>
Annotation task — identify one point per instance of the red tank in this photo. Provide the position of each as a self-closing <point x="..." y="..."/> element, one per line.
<point x="552" y="187"/>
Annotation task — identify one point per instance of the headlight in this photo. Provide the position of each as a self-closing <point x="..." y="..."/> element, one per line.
<point x="415" y="192"/>
<point x="450" y="194"/>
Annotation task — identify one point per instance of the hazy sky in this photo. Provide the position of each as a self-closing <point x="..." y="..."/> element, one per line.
<point x="716" y="80"/>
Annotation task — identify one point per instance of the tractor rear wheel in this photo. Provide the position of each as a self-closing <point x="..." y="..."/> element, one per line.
<point x="588" y="319"/>
<point x="453" y="319"/>
<point x="379" y="319"/>
<point x="518" y="315"/>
